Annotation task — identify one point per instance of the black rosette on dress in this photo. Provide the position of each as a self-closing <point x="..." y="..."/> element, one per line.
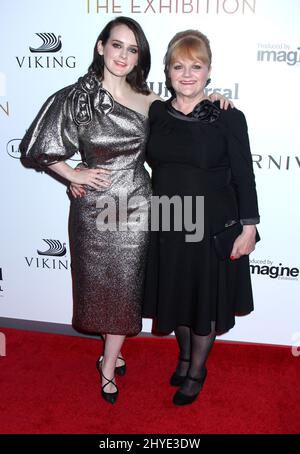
<point x="204" y="112"/>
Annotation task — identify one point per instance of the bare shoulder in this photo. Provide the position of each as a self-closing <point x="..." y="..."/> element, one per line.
<point x="141" y="102"/>
<point x="154" y="97"/>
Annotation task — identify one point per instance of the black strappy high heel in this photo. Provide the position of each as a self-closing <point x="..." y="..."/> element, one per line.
<point x="176" y="379"/>
<point x="184" y="399"/>
<point x="109" y="397"/>
<point x="119" y="370"/>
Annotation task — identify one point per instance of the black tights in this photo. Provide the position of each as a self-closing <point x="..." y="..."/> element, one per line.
<point x="196" y="349"/>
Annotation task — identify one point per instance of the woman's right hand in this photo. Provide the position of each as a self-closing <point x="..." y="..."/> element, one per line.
<point x="245" y="243"/>
<point x="95" y="178"/>
<point x="77" y="190"/>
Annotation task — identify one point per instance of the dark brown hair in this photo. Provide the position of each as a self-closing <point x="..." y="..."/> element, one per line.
<point x="138" y="76"/>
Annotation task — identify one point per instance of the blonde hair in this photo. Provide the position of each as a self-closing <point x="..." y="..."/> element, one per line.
<point x="190" y="44"/>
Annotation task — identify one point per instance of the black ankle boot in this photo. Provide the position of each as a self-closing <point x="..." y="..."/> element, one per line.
<point x="176" y="379"/>
<point x="180" y="398"/>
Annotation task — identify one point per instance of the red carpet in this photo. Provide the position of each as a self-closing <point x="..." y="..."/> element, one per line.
<point x="49" y="384"/>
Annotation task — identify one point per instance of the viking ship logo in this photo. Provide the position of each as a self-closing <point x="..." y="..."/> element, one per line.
<point x="51" y="43"/>
<point x="55" y="248"/>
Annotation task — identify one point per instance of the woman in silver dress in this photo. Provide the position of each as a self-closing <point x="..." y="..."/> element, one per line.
<point x="104" y="116"/>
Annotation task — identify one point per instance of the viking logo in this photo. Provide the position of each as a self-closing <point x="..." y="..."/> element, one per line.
<point x="50" y="43"/>
<point x="55" y="249"/>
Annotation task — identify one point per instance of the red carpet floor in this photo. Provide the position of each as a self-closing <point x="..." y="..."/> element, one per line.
<point x="49" y="384"/>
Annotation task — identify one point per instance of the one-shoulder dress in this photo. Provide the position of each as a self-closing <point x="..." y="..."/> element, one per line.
<point x="108" y="261"/>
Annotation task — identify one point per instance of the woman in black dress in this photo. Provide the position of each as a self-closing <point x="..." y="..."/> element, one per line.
<point x="196" y="149"/>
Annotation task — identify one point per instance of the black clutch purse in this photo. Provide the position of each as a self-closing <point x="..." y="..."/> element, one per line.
<point x="224" y="239"/>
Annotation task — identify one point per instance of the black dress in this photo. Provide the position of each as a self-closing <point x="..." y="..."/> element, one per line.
<point x="205" y="153"/>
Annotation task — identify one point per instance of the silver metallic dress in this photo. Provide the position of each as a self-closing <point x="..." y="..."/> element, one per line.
<point x="108" y="243"/>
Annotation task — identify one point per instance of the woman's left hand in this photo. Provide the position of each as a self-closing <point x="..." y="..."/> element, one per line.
<point x="77" y="190"/>
<point x="224" y="102"/>
<point x="245" y="242"/>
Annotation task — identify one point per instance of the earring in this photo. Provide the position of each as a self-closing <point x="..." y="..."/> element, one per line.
<point x="208" y="82"/>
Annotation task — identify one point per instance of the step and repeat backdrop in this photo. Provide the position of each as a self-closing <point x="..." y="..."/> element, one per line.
<point x="256" y="62"/>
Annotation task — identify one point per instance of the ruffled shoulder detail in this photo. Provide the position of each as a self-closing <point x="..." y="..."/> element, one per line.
<point x="205" y="111"/>
<point x="53" y="135"/>
<point x="89" y="95"/>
